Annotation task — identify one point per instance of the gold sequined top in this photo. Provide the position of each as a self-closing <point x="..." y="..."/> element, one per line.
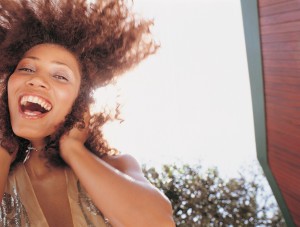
<point x="20" y="206"/>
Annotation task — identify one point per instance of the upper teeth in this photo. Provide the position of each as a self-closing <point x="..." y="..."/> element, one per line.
<point x="37" y="100"/>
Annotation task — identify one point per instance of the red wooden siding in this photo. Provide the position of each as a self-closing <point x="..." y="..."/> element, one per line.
<point x="280" y="40"/>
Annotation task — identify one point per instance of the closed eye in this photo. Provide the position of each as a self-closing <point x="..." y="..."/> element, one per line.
<point x="60" y="77"/>
<point x="26" y="70"/>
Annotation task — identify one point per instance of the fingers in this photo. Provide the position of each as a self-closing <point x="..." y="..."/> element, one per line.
<point x="7" y="155"/>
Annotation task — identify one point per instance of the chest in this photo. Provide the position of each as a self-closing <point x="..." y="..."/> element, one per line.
<point x="51" y="194"/>
<point x="51" y="201"/>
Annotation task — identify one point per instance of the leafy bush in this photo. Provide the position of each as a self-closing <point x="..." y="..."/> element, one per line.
<point x="205" y="199"/>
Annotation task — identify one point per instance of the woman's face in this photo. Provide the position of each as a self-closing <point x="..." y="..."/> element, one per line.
<point x="42" y="90"/>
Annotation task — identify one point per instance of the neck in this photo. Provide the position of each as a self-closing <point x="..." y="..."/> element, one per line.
<point x="38" y="144"/>
<point x="36" y="164"/>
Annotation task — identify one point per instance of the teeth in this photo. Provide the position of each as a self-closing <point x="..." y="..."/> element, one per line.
<point x="37" y="100"/>
<point x="23" y="101"/>
<point x="29" y="113"/>
<point x="47" y="107"/>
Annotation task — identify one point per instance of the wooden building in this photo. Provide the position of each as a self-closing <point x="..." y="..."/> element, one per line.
<point x="272" y="34"/>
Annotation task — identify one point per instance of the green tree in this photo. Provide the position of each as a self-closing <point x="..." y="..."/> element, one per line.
<point x="205" y="199"/>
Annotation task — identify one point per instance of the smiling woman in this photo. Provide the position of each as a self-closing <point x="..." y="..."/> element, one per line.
<point x="43" y="90"/>
<point x="56" y="169"/>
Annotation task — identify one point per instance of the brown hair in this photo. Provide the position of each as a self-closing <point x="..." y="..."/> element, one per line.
<point x="106" y="37"/>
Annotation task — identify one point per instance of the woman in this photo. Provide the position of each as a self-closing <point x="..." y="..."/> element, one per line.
<point x="55" y="167"/>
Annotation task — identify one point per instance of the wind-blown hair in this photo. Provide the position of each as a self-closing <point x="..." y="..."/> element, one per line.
<point x="106" y="37"/>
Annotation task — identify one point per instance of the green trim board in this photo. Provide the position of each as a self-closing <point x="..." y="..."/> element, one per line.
<point x="253" y="47"/>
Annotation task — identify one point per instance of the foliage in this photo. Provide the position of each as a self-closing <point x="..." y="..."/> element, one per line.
<point x="205" y="199"/>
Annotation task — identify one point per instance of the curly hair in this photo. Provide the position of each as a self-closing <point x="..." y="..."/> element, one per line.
<point x="106" y="37"/>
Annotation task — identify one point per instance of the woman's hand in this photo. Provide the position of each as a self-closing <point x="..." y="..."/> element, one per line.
<point x="13" y="156"/>
<point x="10" y="157"/>
<point x="74" y="137"/>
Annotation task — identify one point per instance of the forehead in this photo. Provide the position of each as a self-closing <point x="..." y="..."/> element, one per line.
<point x="54" y="53"/>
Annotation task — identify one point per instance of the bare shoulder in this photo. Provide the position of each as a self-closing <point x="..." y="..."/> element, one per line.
<point x="127" y="164"/>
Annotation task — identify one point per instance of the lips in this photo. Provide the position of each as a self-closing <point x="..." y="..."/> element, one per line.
<point x="33" y="106"/>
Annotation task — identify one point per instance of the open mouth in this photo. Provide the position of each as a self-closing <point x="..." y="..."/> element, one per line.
<point x="34" y="105"/>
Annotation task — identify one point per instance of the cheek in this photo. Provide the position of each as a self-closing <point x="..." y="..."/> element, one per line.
<point x="14" y="83"/>
<point x="66" y="97"/>
<point x="11" y="88"/>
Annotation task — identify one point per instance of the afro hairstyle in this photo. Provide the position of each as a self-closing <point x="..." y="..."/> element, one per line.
<point x="106" y="37"/>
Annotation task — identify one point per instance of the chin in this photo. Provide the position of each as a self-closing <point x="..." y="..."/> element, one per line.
<point x="29" y="136"/>
<point x="30" y="133"/>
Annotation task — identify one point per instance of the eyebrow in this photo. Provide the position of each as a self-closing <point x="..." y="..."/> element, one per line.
<point x="56" y="62"/>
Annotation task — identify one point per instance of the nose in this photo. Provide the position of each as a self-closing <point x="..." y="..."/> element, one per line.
<point x="37" y="82"/>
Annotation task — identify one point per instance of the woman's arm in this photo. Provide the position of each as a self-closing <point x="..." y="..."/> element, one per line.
<point x="5" y="161"/>
<point x="117" y="186"/>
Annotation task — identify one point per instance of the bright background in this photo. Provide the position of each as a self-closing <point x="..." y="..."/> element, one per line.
<point x="189" y="103"/>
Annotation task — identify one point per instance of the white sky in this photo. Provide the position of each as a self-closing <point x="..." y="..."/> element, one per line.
<point x="191" y="101"/>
